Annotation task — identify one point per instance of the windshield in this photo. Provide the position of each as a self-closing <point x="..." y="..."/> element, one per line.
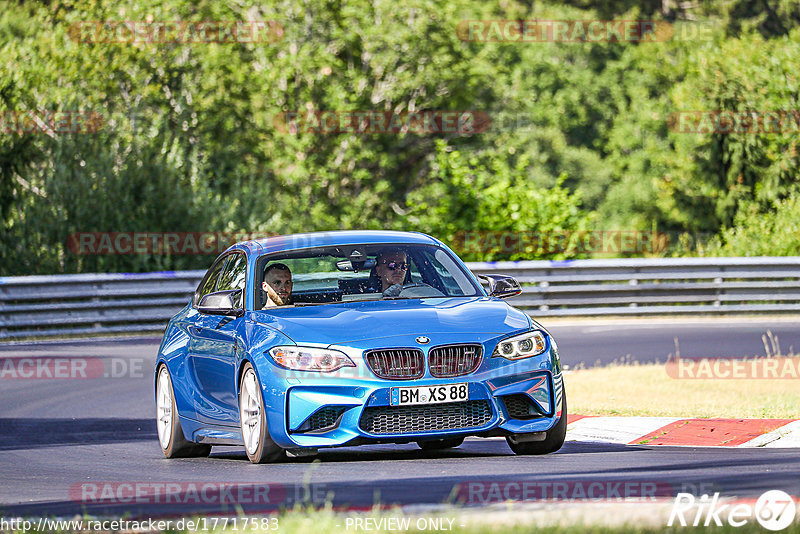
<point x="359" y="272"/>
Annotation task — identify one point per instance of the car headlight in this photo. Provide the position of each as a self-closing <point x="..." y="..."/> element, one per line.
<point x="310" y="359"/>
<point x="521" y="346"/>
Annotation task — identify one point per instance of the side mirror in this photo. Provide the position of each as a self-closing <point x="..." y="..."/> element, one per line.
<point x="222" y="303"/>
<point x="501" y="286"/>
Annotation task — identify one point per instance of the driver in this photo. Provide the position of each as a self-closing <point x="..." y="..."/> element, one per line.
<point x="391" y="268"/>
<point x="277" y="284"/>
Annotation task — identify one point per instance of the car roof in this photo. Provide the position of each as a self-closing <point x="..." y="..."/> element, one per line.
<point x="283" y="243"/>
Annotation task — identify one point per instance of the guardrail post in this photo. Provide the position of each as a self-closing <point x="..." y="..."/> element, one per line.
<point x="545" y="306"/>
<point x="718" y="281"/>
<point x="634" y="282"/>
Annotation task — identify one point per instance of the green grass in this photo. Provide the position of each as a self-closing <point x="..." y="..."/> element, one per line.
<point x="510" y="521"/>
<point x="648" y="390"/>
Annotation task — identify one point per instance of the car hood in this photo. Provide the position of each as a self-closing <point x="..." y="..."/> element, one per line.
<point x="347" y="322"/>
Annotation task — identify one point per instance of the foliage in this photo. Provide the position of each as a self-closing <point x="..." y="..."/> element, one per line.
<point x="192" y="138"/>
<point x="720" y="172"/>
<point x="754" y="233"/>
<point x="493" y="201"/>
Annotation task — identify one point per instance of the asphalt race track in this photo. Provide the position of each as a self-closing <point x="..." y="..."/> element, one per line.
<point x="598" y="342"/>
<point x="64" y="442"/>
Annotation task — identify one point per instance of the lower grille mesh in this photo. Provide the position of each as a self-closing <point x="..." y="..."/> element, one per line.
<point x="323" y="418"/>
<point x="413" y="419"/>
<point x="519" y="406"/>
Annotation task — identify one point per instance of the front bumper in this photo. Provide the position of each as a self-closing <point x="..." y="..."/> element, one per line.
<point x="316" y="410"/>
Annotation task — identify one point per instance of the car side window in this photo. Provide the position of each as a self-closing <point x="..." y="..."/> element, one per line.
<point x="454" y="280"/>
<point x="414" y="272"/>
<point x="210" y="282"/>
<point x="232" y="276"/>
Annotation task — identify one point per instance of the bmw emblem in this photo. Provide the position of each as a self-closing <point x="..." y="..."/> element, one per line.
<point x="423" y="340"/>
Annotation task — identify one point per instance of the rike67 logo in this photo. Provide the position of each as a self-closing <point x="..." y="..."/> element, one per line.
<point x="774" y="510"/>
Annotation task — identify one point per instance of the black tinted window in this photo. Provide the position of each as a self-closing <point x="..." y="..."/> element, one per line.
<point x="232" y="276"/>
<point x="210" y="282"/>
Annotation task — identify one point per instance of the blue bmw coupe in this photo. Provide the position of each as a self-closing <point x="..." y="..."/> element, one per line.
<point x="300" y="342"/>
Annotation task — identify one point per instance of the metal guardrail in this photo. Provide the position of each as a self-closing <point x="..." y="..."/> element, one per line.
<point x="655" y="286"/>
<point x="111" y="303"/>
<point x="71" y="304"/>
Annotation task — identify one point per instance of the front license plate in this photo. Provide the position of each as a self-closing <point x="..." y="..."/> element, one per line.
<point x="430" y="394"/>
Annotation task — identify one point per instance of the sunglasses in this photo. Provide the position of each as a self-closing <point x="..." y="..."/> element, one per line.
<point x="394" y="265"/>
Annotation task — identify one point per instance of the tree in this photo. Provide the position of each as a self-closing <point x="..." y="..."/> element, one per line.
<point x="486" y="208"/>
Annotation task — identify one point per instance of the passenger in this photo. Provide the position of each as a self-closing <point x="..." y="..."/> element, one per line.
<point x="277" y="284"/>
<point x="391" y="268"/>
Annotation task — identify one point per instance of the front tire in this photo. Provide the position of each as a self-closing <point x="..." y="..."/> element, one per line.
<point x="554" y="438"/>
<point x="253" y="421"/>
<point x="168" y="423"/>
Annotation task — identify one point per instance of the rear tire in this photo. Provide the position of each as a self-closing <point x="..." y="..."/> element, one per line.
<point x="170" y="434"/>
<point x="258" y="444"/>
<point x="554" y="438"/>
<point x="440" y="444"/>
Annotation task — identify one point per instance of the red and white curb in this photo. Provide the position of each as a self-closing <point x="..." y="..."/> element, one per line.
<point x="774" y="433"/>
